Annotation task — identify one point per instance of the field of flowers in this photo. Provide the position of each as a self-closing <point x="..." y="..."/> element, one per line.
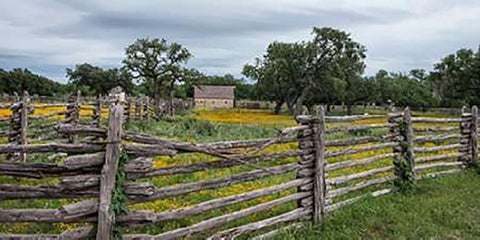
<point x="208" y="126"/>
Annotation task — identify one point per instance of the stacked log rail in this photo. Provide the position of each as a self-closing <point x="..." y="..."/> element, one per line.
<point x="440" y="145"/>
<point x="80" y="176"/>
<point x="341" y="157"/>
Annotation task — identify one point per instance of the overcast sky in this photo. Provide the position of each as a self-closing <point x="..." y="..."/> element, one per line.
<point x="48" y="36"/>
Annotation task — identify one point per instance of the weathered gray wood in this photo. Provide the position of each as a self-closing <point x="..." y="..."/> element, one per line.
<point x="84" y="160"/>
<point x="24" y="124"/>
<point x="83" y="233"/>
<point x="340" y="191"/>
<point x="356" y="163"/>
<point x="223" y="163"/>
<point x="107" y="179"/>
<point x="436" y="130"/>
<point x="364" y="174"/>
<point x="409" y="155"/>
<point x="255" y="226"/>
<point x="336" y="206"/>
<point x="350" y="142"/>
<point x="436" y="148"/>
<point x="474" y="136"/>
<point x="52" y="147"/>
<point x="438" y="165"/>
<point x="225" y="201"/>
<point x="217" y="221"/>
<point x="47" y="115"/>
<point x="440" y="173"/>
<point x="319" y="186"/>
<point x="148" y="150"/>
<point x="435" y="120"/>
<point x="214" y="183"/>
<point x="437" y="138"/>
<point x="437" y="157"/>
<point x="306" y="118"/>
<point x="348" y="151"/>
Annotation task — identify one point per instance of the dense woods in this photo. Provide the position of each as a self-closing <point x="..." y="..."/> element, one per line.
<point x="327" y="69"/>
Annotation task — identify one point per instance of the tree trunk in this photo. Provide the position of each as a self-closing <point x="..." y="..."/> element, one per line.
<point x="290" y="106"/>
<point x="329" y="107"/>
<point x="278" y="107"/>
<point x="156" y="97"/>
<point x="349" y="109"/>
<point x="300" y="100"/>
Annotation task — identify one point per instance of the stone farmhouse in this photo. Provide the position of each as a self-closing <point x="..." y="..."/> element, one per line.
<point x="214" y="96"/>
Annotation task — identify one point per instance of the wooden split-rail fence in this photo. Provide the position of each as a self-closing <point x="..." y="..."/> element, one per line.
<point x="323" y="170"/>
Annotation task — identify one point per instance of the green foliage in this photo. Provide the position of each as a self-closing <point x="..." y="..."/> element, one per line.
<point x="119" y="196"/>
<point x="290" y="72"/>
<point x="158" y="64"/>
<point x="92" y="80"/>
<point x="405" y="180"/>
<point x="443" y="208"/>
<point x="19" y="80"/>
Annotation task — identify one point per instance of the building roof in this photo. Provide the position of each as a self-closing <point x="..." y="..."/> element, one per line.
<point x="208" y="91"/>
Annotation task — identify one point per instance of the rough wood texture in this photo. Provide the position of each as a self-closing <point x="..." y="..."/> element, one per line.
<point x="437" y="138"/>
<point x="436" y="130"/>
<point x="52" y="147"/>
<point x="436" y="149"/>
<point x="435" y="120"/>
<point x="356" y="163"/>
<point x="307" y="118"/>
<point x="255" y="226"/>
<point x="107" y="179"/>
<point x="83" y="233"/>
<point x="319" y="186"/>
<point x="348" y="151"/>
<point x="438" y="157"/>
<point x="336" y="206"/>
<point x="364" y="174"/>
<point x="409" y="155"/>
<point x="438" y="165"/>
<point x="474" y="136"/>
<point x="340" y="191"/>
<point x="217" y="221"/>
<point x="24" y="125"/>
<point x="214" y="183"/>
<point x="221" y="202"/>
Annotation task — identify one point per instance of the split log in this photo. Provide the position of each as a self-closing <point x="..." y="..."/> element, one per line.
<point x="333" y="207"/>
<point x="357" y="128"/>
<point x="52" y="147"/>
<point x="225" y="201"/>
<point x="436" y="120"/>
<point x="217" y="221"/>
<point x="440" y="173"/>
<point x="438" y="165"/>
<point x="351" y="142"/>
<point x="223" y="163"/>
<point x="348" y="151"/>
<point x="436" y="130"/>
<point x="438" y="157"/>
<point x="340" y="191"/>
<point x="148" y="150"/>
<point x="255" y="226"/>
<point x="438" y="138"/>
<point x="368" y="173"/>
<point x="214" y="183"/>
<point x="84" y="161"/>
<point x="436" y="149"/>
<point x="355" y="163"/>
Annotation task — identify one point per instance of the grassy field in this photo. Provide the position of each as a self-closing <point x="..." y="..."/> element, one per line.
<point x="205" y="126"/>
<point x="443" y="208"/>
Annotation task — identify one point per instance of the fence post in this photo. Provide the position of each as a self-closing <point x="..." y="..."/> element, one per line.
<point x="97" y="112"/>
<point x="137" y="109"/>
<point x="146" y="109"/>
<point x="474" y="135"/>
<point x="319" y="185"/>
<point x="24" y="124"/>
<point x="466" y="147"/>
<point x="404" y="160"/>
<point x="107" y="179"/>
<point x="127" y="110"/>
<point x="312" y="163"/>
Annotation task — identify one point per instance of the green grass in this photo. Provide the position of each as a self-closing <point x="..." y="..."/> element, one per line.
<point x="442" y="208"/>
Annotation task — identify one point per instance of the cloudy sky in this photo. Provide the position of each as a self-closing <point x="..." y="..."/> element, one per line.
<point x="48" y="36"/>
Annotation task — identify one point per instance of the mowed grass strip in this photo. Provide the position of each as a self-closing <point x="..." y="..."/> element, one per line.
<point x="441" y="208"/>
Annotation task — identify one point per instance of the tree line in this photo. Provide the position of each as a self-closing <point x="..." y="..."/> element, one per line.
<point x="327" y="69"/>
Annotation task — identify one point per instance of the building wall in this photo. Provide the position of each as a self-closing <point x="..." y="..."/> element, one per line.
<point x="214" y="103"/>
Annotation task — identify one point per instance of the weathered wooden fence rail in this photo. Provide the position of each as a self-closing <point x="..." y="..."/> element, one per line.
<point x="323" y="169"/>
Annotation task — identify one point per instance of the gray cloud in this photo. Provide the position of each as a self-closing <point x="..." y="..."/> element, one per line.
<point x="49" y="35"/>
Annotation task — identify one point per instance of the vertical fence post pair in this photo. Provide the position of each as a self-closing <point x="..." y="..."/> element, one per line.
<point x="314" y="138"/>
<point x="19" y="125"/>
<point x="469" y="137"/>
<point x="106" y="217"/>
